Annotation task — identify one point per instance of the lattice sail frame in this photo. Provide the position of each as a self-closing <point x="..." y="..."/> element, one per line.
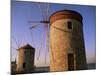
<point x="45" y="13"/>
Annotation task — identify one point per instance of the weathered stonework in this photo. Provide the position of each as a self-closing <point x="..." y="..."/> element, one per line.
<point x="66" y="44"/>
<point x="25" y="59"/>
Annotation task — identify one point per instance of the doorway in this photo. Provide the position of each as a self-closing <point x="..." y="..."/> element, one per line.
<point x="24" y="65"/>
<point x="70" y="62"/>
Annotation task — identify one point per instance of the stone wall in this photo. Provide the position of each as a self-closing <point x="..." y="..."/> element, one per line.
<point x="64" y="41"/>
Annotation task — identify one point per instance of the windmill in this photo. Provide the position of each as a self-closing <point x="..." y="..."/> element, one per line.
<point x="45" y="13"/>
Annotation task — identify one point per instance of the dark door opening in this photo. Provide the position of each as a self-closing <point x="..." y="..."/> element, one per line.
<point x="24" y="65"/>
<point x="70" y="62"/>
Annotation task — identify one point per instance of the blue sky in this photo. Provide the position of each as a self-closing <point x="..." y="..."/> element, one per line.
<point x="23" y="12"/>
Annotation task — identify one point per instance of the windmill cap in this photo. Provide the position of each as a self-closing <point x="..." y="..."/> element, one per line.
<point x="65" y="14"/>
<point x="27" y="46"/>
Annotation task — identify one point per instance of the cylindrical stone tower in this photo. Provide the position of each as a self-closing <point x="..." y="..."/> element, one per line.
<point x="26" y="56"/>
<point x="67" y="49"/>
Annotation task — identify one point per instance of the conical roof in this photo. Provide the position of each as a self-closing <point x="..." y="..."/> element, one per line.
<point x="27" y="46"/>
<point x="63" y="14"/>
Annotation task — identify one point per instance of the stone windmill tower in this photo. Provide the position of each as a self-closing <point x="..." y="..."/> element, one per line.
<point x="66" y="41"/>
<point x="26" y="56"/>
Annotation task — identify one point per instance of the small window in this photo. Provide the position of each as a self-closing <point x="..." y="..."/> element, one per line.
<point x="24" y="52"/>
<point x="69" y="25"/>
<point x="24" y="65"/>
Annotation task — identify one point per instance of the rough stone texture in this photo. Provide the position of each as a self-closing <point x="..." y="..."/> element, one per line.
<point x="25" y="55"/>
<point x="64" y="41"/>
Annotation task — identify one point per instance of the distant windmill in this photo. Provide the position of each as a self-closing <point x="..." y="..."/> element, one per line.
<point x="45" y="12"/>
